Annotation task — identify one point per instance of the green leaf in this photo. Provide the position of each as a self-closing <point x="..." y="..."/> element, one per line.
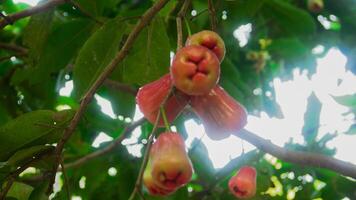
<point x="61" y="46"/>
<point x="290" y="18"/>
<point x="201" y="162"/>
<point x="290" y="48"/>
<point x="97" y="53"/>
<point x="347" y="100"/>
<point x="36" y="34"/>
<point x="27" y="154"/>
<point x="95" y="7"/>
<point x="20" y="191"/>
<point x="352" y="130"/>
<point x="34" y="128"/>
<point x="149" y="58"/>
<point x="311" y="119"/>
<point x="39" y="193"/>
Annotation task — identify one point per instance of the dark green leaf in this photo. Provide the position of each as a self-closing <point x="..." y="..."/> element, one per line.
<point x="39" y="193"/>
<point x="149" y="58"/>
<point x="34" y="128"/>
<point x="311" y="119"/>
<point x="36" y="34"/>
<point x="97" y="53"/>
<point x="27" y="154"/>
<point x="352" y="130"/>
<point x="290" y="18"/>
<point x="201" y="162"/>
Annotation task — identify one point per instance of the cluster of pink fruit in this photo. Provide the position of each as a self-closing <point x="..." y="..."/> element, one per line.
<point x="194" y="72"/>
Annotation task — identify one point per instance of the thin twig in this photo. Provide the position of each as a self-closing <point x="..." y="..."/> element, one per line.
<point x="13" y="47"/>
<point x="8" y="185"/>
<point x="145" y="158"/>
<point x="148" y="148"/>
<point x="42" y="7"/>
<point x="212" y="13"/>
<point x="108" y="148"/>
<point x="198" y="14"/>
<point x="179" y="20"/>
<point x="298" y="157"/>
<point x="146" y="18"/>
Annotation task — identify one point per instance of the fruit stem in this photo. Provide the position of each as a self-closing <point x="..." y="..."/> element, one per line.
<point x="165" y="120"/>
<point x="188" y="27"/>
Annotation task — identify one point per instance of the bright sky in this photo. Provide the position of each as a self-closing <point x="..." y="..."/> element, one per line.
<point x="29" y="2"/>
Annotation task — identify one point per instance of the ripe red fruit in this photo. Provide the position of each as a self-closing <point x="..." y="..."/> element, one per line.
<point x="195" y="70"/>
<point x="150" y="97"/>
<point x="220" y="113"/>
<point x="315" y="5"/>
<point x="243" y="184"/>
<point x="210" y="40"/>
<point x="150" y="184"/>
<point x="171" y="166"/>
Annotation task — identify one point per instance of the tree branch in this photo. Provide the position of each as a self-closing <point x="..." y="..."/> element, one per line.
<point x="10" y="19"/>
<point x="13" y="47"/>
<point x="212" y="12"/>
<point x="179" y="19"/>
<point x="298" y="157"/>
<point x="146" y="18"/>
<point x="108" y="148"/>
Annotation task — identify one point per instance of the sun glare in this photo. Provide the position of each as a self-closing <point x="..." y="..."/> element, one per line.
<point x="29" y="2"/>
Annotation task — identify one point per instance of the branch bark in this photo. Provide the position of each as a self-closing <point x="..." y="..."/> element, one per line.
<point x="180" y="17"/>
<point x="146" y="18"/>
<point x="13" y="47"/>
<point x="212" y="12"/>
<point x="10" y="19"/>
<point x="297" y="157"/>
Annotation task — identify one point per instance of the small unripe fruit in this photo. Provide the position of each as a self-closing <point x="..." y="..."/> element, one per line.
<point x="171" y="166"/>
<point x="243" y="184"/>
<point x="150" y="97"/>
<point x="221" y="114"/>
<point x="150" y="184"/>
<point x="315" y="6"/>
<point x="195" y="70"/>
<point x="210" y="40"/>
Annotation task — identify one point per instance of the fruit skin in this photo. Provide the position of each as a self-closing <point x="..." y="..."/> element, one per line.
<point x="195" y="70"/>
<point x="243" y="184"/>
<point x="150" y="184"/>
<point x="315" y="6"/>
<point x="171" y="166"/>
<point x="221" y="114"/>
<point x="150" y="97"/>
<point x="210" y="40"/>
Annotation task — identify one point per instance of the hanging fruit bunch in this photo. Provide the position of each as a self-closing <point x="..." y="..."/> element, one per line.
<point x="194" y="75"/>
